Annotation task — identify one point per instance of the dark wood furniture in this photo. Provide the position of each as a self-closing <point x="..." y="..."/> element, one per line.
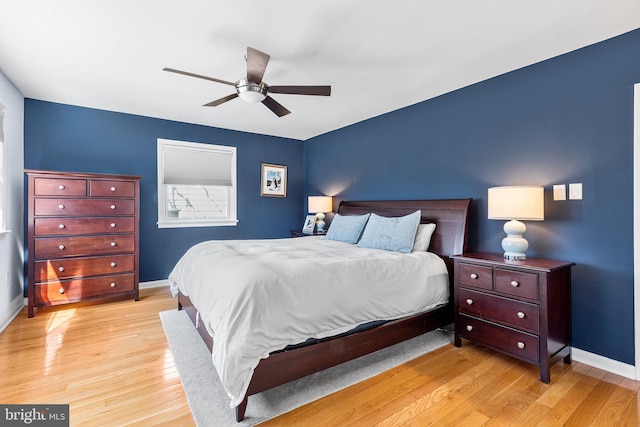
<point x="299" y="233"/>
<point x="82" y="236"/>
<point x="520" y="308"/>
<point x="449" y="238"/>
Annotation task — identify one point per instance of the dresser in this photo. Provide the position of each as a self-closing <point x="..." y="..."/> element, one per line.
<point x="83" y="234"/>
<point x="521" y="308"/>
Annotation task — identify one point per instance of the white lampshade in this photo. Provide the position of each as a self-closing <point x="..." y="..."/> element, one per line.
<point x="515" y="203"/>
<point x="320" y="204"/>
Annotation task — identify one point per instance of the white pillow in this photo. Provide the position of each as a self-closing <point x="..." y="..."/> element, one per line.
<point x="423" y="237"/>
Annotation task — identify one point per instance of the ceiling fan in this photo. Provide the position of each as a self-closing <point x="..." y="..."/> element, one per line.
<point x="252" y="89"/>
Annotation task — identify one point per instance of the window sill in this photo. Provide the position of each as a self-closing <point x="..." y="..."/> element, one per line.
<point x="183" y="224"/>
<point x="3" y="232"/>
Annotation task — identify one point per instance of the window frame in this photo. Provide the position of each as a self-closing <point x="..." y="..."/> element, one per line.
<point x="163" y="220"/>
<point x="3" y="174"/>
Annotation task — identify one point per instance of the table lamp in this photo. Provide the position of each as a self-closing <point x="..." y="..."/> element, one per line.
<point x="319" y="205"/>
<point x="515" y="203"/>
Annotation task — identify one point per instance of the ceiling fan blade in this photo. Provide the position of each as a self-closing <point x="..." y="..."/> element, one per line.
<point x="301" y="90"/>
<point x="221" y="100"/>
<point x="186" y="73"/>
<point x="256" y="64"/>
<point x="275" y="106"/>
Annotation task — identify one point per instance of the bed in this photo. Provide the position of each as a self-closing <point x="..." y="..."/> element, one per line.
<point x="337" y="343"/>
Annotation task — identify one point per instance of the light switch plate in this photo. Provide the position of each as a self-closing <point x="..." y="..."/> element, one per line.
<point x="560" y="192"/>
<point x="575" y="191"/>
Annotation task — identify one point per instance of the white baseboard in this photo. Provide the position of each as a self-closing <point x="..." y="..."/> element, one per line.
<point x="604" y="363"/>
<point x="15" y="307"/>
<point x="153" y="284"/>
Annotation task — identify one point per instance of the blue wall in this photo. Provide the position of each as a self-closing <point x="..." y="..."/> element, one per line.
<point x="568" y="119"/>
<point x="67" y="138"/>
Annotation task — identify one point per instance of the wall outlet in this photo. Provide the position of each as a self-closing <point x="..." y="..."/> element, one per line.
<point x="560" y="192"/>
<point x="575" y="191"/>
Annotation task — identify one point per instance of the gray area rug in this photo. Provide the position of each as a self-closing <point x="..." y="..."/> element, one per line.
<point x="210" y="404"/>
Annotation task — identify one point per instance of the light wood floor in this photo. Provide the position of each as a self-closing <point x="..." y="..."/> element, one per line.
<point x="112" y="364"/>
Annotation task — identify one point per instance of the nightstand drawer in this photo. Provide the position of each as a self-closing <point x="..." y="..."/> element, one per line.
<point x="515" y="313"/>
<point x="519" y="344"/>
<point x="517" y="283"/>
<point x="476" y="276"/>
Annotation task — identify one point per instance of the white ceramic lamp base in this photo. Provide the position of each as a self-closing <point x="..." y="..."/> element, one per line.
<point x="514" y="245"/>
<point x="320" y="222"/>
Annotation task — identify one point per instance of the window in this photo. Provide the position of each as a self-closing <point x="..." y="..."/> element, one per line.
<point x="2" y="173"/>
<point x="196" y="184"/>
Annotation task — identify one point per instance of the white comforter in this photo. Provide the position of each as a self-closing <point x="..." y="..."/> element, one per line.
<point x="258" y="296"/>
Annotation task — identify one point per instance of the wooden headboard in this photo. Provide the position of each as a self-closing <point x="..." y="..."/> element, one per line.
<point x="450" y="216"/>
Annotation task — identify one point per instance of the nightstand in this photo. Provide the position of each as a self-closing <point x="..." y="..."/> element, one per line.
<point x="521" y="308"/>
<point x="299" y="233"/>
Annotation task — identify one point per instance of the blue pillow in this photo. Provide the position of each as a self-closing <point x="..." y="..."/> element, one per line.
<point x="347" y="228"/>
<point x="391" y="234"/>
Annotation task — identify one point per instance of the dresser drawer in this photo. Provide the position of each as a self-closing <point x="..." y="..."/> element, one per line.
<point x="79" y="207"/>
<point x="103" y="188"/>
<point x="519" y="344"/>
<point x="59" y="187"/>
<point x="517" y="283"/>
<point x="58" y="247"/>
<point x="58" y="269"/>
<point x="515" y="313"/>
<point x="476" y="276"/>
<point x="76" y="289"/>
<point x="66" y="225"/>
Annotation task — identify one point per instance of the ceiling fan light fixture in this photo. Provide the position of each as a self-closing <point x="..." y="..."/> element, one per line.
<point x="251" y="92"/>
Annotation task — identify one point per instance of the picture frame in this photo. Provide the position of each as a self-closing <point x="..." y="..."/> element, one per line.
<point x="309" y="224"/>
<point x="274" y="180"/>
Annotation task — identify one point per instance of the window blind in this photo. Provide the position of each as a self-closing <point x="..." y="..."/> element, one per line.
<point x="189" y="166"/>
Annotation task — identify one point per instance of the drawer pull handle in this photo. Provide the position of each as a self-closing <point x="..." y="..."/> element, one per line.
<point x="521" y="315"/>
<point x="520" y="345"/>
<point x="61" y="226"/>
<point x="515" y="284"/>
<point x="113" y="225"/>
<point x="113" y="244"/>
<point x="60" y="206"/>
<point x="474" y="276"/>
<point x="113" y="284"/>
<point x="113" y="264"/>
<point x="469" y="301"/>
<point x="61" y="247"/>
<point x="60" y="187"/>
<point x="61" y="291"/>
<point x="113" y="188"/>
<point x="469" y="328"/>
<point x="60" y="269"/>
<point x="113" y="207"/>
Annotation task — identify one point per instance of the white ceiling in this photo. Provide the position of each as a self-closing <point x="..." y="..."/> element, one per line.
<point x="377" y="55"/>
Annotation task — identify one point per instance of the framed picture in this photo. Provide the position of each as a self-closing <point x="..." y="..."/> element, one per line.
<point x="274" y="180"/>
<point x="309" y="224"/>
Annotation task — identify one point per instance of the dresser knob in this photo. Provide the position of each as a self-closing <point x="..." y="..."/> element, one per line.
<point x="520" y="345"/>
<point x="61" y="247"/>
<point x="61" y="226"/>
<point x="113" y="207"/>
<point x="113" y="244"/>
<point x="61" y="291"/>
<point x="113" y="284"/>
<point x="113" y="188"/>
<point x="60" y="187"/>
<point x="474" y="276"/>
<point x="60" y="206"/>
<point x="469" y="328"/>
<point x="515" y="284"/>
<point x="113" y="225"/>
<point x="60" y="269"/>
<point x="521" y="315"/>
<point x="113" y="264"/>
<point x="469" y="301"/>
